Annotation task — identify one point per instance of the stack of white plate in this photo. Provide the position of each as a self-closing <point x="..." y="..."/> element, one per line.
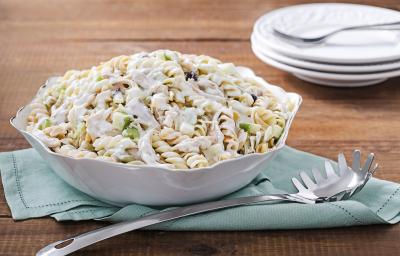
<point x="347" y="59"/>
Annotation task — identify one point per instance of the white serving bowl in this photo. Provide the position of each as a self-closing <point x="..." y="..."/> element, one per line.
<point x="122" y="184"/>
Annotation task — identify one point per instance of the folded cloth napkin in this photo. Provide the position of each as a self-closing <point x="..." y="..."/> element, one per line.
<point x="33" y="190"/>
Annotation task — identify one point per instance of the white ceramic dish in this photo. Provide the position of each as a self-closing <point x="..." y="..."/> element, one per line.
<point x="309" y="20"/>
<point x="331" y="79"/>
<point x="340" y="83"/>
<point x="122" y="184"/>
<point x="344" y="68"/>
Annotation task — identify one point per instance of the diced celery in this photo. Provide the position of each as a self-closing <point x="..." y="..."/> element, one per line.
<point x="99" y="78"/>
<point x="245" y="126"/>
<point x="132" y="133"/>
<point x="46" y="123"/>
<point x="167" y="57"/>
<point x="120" y="120"/>
<point x="121" y="108"/>
<point x="127" y="122"/>
<point x="251" y="128"/>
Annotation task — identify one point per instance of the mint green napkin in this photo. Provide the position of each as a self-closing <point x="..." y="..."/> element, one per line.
<point x="33" y="190"/>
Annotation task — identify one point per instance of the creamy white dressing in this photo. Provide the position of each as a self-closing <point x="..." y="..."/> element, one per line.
<point x="97" y="125"/>
<point x="95" y="87"/>
<point x="186" y="129"/>
<point x="120" y="150"/>
<point x="48" y="141"/>
<point x="179" y="96"/>
<point x="147" y="153"/>
<point x="170" y="117"/>
<point x="135" y="93"/>
<point x="189" y="115"/>
<point x="216" y="131"/>
<point x="159" y="101"/>
<point x="138" y="109"/>
<point x="207" y="95"/>
<point x="41" y="120"/>
<point x="194" y="144"/>
<point x="141" y="79"/>
<point x="236" y="105"/>
<point x="102" y="98"/>
<point x="59" y="115"/>
<point x="245" y="119"/>
<point x="82" y="100"/>
<point x="76" y="114"/>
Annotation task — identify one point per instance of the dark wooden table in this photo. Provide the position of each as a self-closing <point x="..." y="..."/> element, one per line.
<point x="42" y="38"/>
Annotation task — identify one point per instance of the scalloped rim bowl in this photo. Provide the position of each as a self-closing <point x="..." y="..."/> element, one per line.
<point x="121" y="184"/>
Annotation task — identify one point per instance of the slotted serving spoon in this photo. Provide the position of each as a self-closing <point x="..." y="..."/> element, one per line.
<point x="335" y="186"/>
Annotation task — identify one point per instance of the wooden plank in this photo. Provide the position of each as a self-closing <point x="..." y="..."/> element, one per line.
<point x="33" y="234"/>
<point x="387" y="154"/>
<point x="375" y="105"/>
<point x="330" y="120"/>
<point x="42" y="38"/>
<point x="4" y="210"/>
<point x="137" y="20"/>
<point x="41" y="60"/>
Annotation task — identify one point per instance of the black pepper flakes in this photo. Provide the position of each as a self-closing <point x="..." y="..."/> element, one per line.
<point x="116" y="91"/>
<point x="254" y="97"/>
<point x="191" y="75"/>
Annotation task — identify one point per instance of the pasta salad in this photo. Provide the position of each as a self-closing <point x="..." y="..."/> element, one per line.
<point x="159" y="108"/>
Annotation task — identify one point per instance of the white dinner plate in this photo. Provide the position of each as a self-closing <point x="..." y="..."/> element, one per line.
<point x="340" y="83"/>
<point x="311" y="20"/>
<point x="333" y="79"/>
<point x="348" y="68"/>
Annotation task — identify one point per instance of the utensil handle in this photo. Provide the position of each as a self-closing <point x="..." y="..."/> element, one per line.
<point x="379" y="25"/>
<point x="64" y="247"/>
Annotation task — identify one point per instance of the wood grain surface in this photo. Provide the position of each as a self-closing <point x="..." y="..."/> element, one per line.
<point x="39" y="39"/>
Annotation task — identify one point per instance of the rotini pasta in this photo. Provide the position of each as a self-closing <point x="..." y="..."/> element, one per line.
<point x="163" y="107"/>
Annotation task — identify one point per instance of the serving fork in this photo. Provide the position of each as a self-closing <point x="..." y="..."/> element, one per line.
<point x="320" y="39"/>
<point x="326" y="186"/>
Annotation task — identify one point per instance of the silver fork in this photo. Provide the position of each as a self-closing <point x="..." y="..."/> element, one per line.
<point x="335" y="186"/>
<point x="321" y="39"/>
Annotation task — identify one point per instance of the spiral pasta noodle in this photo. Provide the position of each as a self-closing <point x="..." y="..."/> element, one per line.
<point x="163" y="107"/>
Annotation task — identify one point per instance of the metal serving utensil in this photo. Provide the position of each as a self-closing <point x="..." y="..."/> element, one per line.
<point x="335" y="186"/>
<point x="321" y="39"/>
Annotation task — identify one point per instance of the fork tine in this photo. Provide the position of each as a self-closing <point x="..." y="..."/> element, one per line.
<point x="307" y="180"/>
<point x="298" y="184"/>
<point x="374" y="169"/>
<point x="356" y="160"/>
<point x="317" y="175"/>
<point x="330" y="172"/>
<point x="368" y="162"/>
<point x="342" y="164"/>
